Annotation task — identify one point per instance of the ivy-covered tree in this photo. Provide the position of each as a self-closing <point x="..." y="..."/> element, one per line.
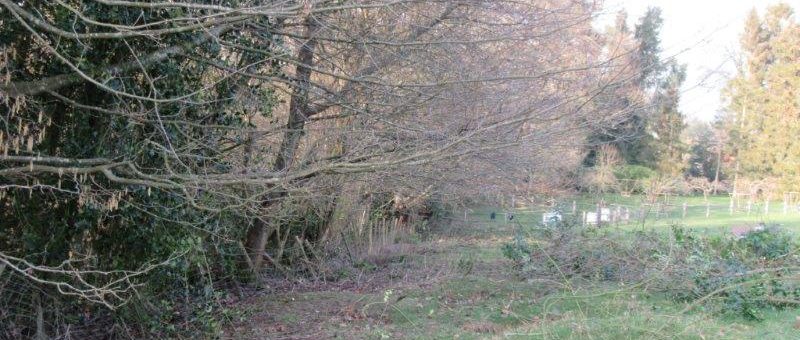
<point x="106" y="147"/>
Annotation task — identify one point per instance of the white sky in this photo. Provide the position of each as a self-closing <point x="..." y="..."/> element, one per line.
<point x="704" y="34"/>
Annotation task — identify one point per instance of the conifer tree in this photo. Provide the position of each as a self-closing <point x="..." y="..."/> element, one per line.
<point x="763" y="113"/>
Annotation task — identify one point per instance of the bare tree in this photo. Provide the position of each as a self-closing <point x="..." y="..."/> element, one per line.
<point x="238" y="121"/>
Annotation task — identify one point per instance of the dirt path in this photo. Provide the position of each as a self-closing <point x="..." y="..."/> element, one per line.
<point x="401" y="297"/>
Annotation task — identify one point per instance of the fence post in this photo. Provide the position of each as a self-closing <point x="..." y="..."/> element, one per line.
<point x="749" y="205"/>
<point x="730" y="209"/>
<point x="766" y="207"/>
<point x="684" y="210"/>
<point x="642" y="213"/>
<point x="785" y="204"/>
<point x="658" y="211"/>
<point x="574" y="207"/>
<point x="708" y="209"/>
<point x="583" y="219"/>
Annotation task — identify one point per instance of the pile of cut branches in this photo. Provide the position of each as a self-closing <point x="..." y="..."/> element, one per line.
<point x="742" y="275"/>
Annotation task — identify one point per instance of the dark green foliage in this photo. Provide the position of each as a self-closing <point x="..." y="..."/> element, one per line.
<point x="735" y="271"/>
<point x="633" y="172"/>
<point x="651" y="135"/>
<point x="633" y="178"/>
<point x="769" y="243"/>
<point x="647" y="33"/>
<point x="123" y="226"/>
<point x="519" y="251"/>
<point x="705" y="153"/>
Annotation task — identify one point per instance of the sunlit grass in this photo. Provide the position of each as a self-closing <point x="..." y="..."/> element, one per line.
<point x="719" y="219"/>
<point x="490" y="301"/>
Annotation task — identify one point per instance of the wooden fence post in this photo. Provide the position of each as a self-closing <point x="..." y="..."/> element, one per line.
<point x="684" y="210"/>
<point x="658" y="211"/>
<point x="708" y="209"/>
<point x="574" y="207"/>
<point x="785" y="204"/>
<point x="642" y="213"/>
<point x="730" y="209"/>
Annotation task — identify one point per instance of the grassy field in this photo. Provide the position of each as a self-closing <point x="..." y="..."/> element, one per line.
<point x="719" y="219"/>
<point x="457" y="284"/>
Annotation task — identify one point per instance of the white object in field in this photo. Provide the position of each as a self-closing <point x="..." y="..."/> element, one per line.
<point x="605" y="216"/>
<point x="591" y="217"/>
<point x="551" y="217"/>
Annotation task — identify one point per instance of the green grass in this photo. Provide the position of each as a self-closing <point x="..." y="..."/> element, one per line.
<point x="477" y="307"/>
<point x="720" y="214"/>
<point x="720" y="217"/>
<point x="465" y="289"/>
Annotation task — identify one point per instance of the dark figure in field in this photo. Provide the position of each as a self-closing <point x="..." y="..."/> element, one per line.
<point x="492" y="215"/>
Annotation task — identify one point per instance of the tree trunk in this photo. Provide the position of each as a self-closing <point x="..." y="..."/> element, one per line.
<point x="300" y="110"/>
<point x="716" y="172"/>
<point x="258" y="234"/>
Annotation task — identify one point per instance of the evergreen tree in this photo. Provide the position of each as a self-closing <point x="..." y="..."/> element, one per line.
<point x="647" y="35"/>
<point x="668" y="123"/>
<point x="651" y="135"/>
<point x="763" y="115"/>
<point x="626" y="96"/>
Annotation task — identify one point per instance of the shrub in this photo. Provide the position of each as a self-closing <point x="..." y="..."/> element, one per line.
<point x="632" y="178"/>
<point x="770" y="243"/>
<point x="633" y="172"/>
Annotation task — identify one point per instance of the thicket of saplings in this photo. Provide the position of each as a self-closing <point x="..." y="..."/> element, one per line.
<point x="743" y="276"/>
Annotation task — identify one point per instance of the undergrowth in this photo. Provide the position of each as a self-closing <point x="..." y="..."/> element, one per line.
<point x="741" y="276"/>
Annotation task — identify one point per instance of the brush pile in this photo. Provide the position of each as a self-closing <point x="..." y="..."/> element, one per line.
<point x="741" y="275"/>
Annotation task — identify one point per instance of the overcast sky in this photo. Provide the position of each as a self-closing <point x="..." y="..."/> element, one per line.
<point x="703" y="34"/>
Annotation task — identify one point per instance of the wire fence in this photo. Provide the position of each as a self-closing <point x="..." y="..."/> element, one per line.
<point x="676" y="210"/>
